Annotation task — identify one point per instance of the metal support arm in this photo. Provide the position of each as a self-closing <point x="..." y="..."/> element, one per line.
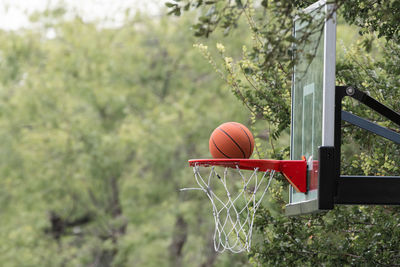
<point x="363" y="190"/>
<point x="371" y="103"/>
<point x="335" y="188"/>
<point x="371" y="127"/>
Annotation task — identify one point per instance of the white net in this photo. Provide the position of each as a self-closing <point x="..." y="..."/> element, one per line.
<point x="233" y="212"/>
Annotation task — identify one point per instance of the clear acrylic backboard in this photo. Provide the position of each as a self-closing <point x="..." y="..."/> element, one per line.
<point x="313" y="96"/>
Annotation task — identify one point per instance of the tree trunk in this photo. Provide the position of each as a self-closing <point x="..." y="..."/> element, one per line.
<point x="178" y="241"/>
<point x="105" y="257"/>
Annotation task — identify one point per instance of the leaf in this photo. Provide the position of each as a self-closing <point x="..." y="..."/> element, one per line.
<point x="239" y="3"/>
<point x="264" y="3"/>
<point x="204" y="19"/>
<point x="171" y="12"/>
<point x="196" y="26"/>
<point x="177" y="12"/>
<point x="291" y="39"/>
<point x="186" y="7"/>
<point x="168" y="4"/>
<point x="248" y="70"/>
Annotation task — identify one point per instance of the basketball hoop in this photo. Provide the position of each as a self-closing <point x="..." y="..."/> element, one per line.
<point x="234" y="212"/>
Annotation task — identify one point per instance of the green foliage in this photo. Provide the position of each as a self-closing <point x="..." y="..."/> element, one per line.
<point x="379" y="77"/>
<point x="97" y="125"/>
<point x="261" y="79"/>
<point x="361" y="236"/>
<point x="380" y="16"/>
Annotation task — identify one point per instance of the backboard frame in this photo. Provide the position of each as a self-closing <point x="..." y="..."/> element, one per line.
<point x="309" y="201"/>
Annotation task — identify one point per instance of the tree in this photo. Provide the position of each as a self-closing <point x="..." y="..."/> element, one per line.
<point x="97" y="126"/>
<point x="261" y="78"/>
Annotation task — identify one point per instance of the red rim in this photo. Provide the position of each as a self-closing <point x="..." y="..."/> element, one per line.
<point x="295" y="171"/>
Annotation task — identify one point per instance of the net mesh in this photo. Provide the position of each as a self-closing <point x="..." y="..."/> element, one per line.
<point x="235" y="196"/>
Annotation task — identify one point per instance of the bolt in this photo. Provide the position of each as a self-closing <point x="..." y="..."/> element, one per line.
<point x="350" y="90"/>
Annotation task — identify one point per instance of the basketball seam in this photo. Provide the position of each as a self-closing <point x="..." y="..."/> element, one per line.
<point x="219" y="149"/>
<point x="244" y="154"/>
<point x="248" y="137"/>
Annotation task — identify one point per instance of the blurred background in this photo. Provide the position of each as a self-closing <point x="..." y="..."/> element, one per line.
<point x="101" y="105"/>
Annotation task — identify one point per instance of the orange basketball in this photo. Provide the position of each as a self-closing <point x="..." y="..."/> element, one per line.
<point x="231" y="140"/>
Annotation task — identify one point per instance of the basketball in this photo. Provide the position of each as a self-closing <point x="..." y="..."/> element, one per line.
<point x="231" y="140"/>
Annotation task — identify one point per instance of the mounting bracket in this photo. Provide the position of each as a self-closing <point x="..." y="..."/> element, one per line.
<point x="335" y="188"/>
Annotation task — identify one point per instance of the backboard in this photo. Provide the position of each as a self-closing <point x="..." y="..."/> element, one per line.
<point x="313" y="98"/>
